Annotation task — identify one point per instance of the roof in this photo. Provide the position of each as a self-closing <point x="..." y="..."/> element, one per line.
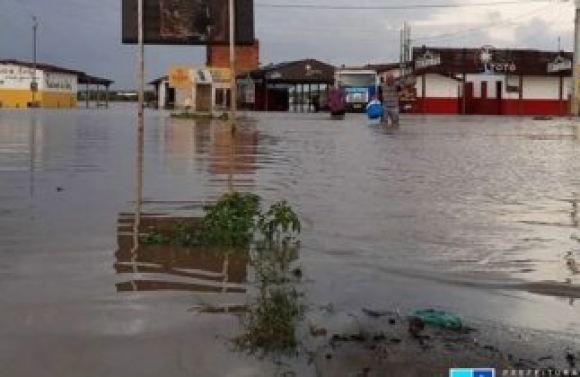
<point x="82" y="76"/>
<point x="41" y="66"/>
<point x="452" y="61"/>
<point x="158" y="80"/>
<point x="383" y="67"/>
<point x="306" y="71"/>
<point x="87" y="79"/>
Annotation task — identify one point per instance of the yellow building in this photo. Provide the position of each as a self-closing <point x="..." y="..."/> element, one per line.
<point x="49" y="86"/>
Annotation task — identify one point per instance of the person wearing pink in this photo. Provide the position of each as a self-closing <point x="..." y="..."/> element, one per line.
<point x="336" y="100"/>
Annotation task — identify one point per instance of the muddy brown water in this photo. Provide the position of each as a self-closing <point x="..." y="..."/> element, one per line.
<point x="474" y="215"/>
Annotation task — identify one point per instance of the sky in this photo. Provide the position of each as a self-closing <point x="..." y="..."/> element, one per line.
<point x="85" y="35"/>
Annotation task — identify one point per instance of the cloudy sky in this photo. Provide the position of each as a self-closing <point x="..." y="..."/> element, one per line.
<point x="86" y="34"/>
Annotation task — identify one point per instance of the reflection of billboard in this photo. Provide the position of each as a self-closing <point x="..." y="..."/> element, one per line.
<point x="188" y="22"/>
<point x="169" y="268"/>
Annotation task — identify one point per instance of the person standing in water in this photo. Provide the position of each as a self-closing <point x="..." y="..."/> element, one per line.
<point x="389" y="96"/>
<point x="336" y="101"/>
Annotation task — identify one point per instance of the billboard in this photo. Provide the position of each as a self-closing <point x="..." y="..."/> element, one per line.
<point x="187" y="22"/>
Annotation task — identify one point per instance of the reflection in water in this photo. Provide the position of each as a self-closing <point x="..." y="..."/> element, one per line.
<point x="20" y="144"/>
<point x="175" y="268"/>
<point x="212" y="147"/>
<point x="32" y="153"/>
<point x="171" y="268"/>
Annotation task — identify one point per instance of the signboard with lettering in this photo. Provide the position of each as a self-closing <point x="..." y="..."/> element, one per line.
<point x="491" y="64"/>
<point x="179" y="77"/>
<point x="188" y="22"/>
<point x="559" y="64"/>
<point x="58" y="82"/>
<point x="14" y="77"/>
<point x="428" y="59"/>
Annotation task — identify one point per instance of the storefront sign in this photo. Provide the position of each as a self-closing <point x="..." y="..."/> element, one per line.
<point x="58" y="83"/>
<point x="485" y="57"/>
<point x="179" y="77"/>
<point x="201" y="76"/>
<point x="559" y="64"/>
<point x="428" y="59"/>
<point x="220" y="74"/>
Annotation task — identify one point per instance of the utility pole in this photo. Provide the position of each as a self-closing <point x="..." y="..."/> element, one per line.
<point x="233" y="81"/>
<point x="575" y="108"/>
<point x="34" y="84"/>
<point x="405" y="54"/>
<point x="140" y="68"/>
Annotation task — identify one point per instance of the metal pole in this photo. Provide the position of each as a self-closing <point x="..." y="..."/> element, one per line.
<point x="34" y="87"/>
<point x="233" y="81"/>
<point x="141" y="68"/>
<point x="575" y="108"/>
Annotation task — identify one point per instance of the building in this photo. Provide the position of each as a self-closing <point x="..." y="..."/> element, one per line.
<point x="197" y="88"/>
<point x="491" y="81"/>
<point x="24" y="84"/>
<point x="247" y="57"/>
<point x="294" y="85"/>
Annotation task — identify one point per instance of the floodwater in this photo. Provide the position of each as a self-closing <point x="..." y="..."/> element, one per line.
<point x="476" y="215"/>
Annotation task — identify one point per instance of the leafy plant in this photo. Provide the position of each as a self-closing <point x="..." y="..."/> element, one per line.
<point x="279" y="219"/>
<point x="270" y="323"/>
<point x="237" y="221"/>
<point x="231" y="221"/>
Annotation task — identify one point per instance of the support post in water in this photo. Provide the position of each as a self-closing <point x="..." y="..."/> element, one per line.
<point x="141" y="66"/>
<point x="233" y="83"/>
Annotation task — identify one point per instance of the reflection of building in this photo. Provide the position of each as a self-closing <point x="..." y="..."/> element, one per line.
<point x="162" y="268"/>
<point x="234" y="153"/>
<point x="21" y="144"/>
<point x="49" y="86"/>
<point x="210" y="147"/>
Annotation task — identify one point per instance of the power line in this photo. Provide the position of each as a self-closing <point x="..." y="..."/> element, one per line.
<point x="401" y="7"/>
<point x="512" y="21"/>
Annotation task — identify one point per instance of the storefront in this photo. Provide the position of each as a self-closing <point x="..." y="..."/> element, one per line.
<point x="25" y="84"/>
<point x="198" y="89"/>
<point x="22" y="86"/>
<point x="491" y="81"/>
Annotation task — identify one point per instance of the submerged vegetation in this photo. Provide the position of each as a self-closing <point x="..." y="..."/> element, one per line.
<point x="228" y="223"/>
<point x="270" y="322"/>
<point x="237" y="222"/>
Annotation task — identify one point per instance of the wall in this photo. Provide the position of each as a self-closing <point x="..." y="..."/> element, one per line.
<point x="247" y="57"/>
<point x="540" y="95"/>
<point x="55" y="90"/>
<point x="442" y="95"/>
<point x="57" y="100"/>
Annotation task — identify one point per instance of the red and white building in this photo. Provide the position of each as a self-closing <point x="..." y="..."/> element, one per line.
<point x="491" y="81"/>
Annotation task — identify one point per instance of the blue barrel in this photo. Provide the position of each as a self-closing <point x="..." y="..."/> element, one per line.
<point x="374" y="109"/>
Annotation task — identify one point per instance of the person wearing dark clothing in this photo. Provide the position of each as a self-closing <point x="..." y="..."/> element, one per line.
<point x="336" y="100"/>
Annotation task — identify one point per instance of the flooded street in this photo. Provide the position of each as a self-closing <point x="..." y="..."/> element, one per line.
<point x="475" y="215"/>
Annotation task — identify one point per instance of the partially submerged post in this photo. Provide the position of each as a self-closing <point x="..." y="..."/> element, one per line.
<point x="233" y="83"/>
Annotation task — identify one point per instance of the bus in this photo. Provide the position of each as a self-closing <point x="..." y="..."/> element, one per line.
<point x="360" y="85"/>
